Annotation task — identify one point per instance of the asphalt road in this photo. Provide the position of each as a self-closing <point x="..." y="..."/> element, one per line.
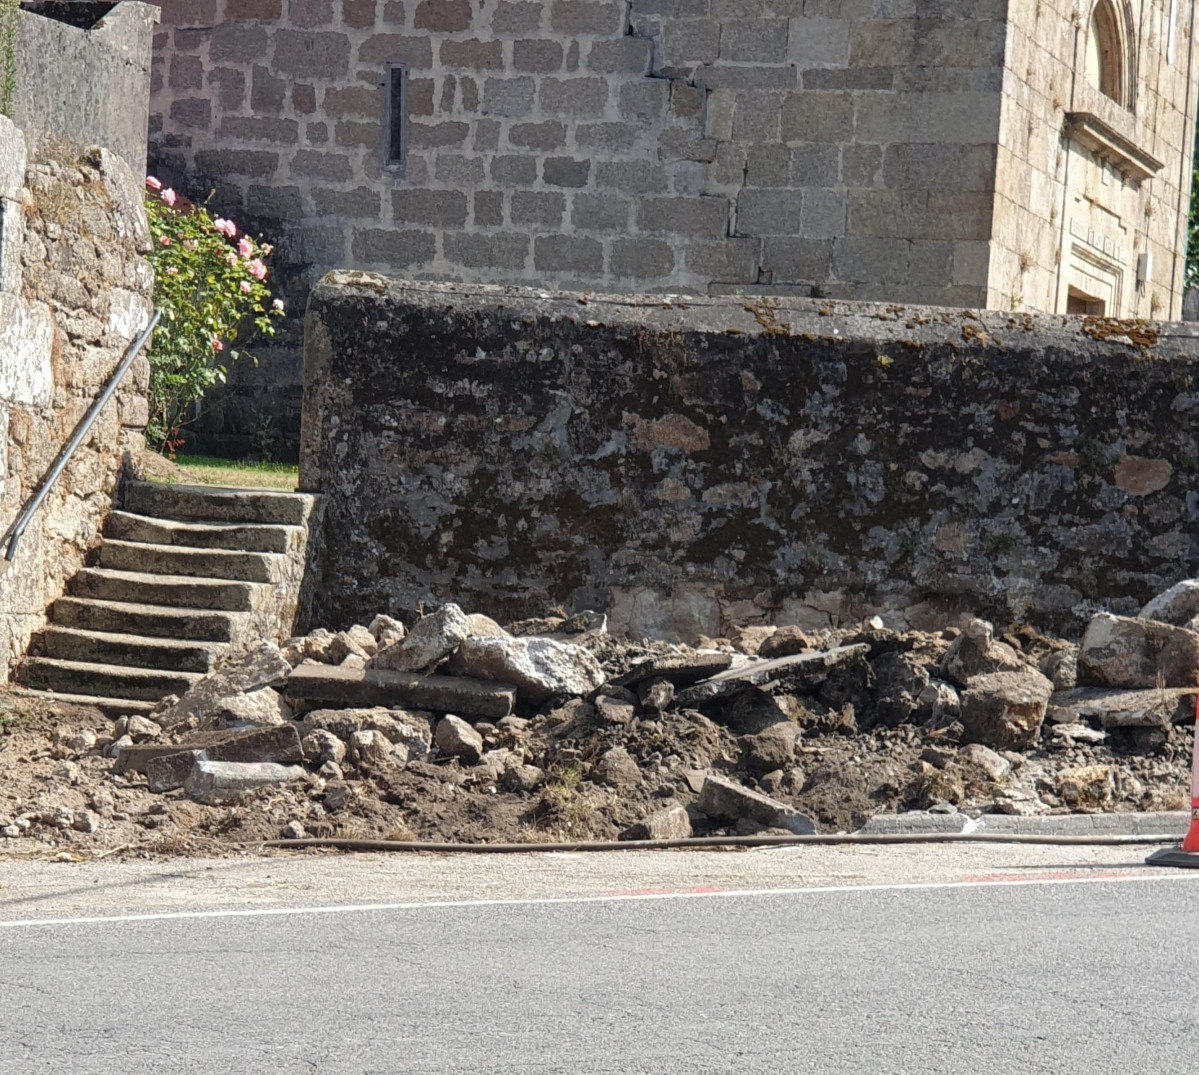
<point x="1042" y="975"/>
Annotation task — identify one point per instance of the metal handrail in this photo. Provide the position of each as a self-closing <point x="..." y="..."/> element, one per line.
<point x="13" y="534"/>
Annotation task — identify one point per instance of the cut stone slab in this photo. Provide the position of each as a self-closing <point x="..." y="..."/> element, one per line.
<point x="1123" y="709"/>
<point x="682" y="670"/>
<point x="216" y="782"/>
<point x="432" y="639"/>
<point x="457" y="739"/>
<point x="723" y="800"/>
<point x="265" y="706"/>
<point x="1121" y="651"/>
<point x="806" y="670"/>
<point x="263" y="666"/>
<point x="339" y="687"/>
<point x="1004" y="710"/>
<point x="672" y="823"/>
<point x="1178" y="605"/>
<point x="538" y="668"/>
<point x="167" y="768"/>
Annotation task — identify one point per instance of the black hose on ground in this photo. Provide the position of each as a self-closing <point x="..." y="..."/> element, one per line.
<point x="696" y="842"/>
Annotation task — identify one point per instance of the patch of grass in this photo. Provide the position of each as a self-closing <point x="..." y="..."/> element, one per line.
<point x="209" y="470"/>
<point x="11" y="720"/>
<point x="563" y="811"/>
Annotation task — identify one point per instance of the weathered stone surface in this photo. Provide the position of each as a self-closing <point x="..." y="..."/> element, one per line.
<point x="1004" y="710"/>
<point x="217" y="782"/>
<point x="657" y="692"/>
<point x="1087" y="787"/>
<point x="357" y="641"/>
<point x="480" y="626"/>
<point x="400" y="726"/>
<point x="975" y="755"/>
<point x="806" y="671"/>
<point x="168" y="768"/>
<point x="383" y="624"/>
<point x="326" y="685"/>
<point x="369" y="747"/>
<point x="265" y="706"/>
<point x="539" y="668"/>
<point x="671" y="823"/>
<point x="681" y="670"/>
<point x="457" y="739"/>
<point x="321" y="746"/>
<point x="1178" y="605"/>
<point x="318" y="646"/>
<point x="784" y="642"/>
<point x="772" y="748"/>
<point x="140" y="728"/>
<point x="616" y="768"/>
<point x="975" y="652"/>
<point x="262" y="667"/>
<point x="614" y="709"/>
<point x="432" y="639"/>
<point x="1120" y="651"/>
<point x="1155" y="708"/>
<point x="723" y="800"/>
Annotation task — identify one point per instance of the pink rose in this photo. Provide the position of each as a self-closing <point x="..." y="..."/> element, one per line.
<point x="225" y="227"/>
<point x="231" y="259"/>
<point x="217" y="345"/>
<point x="153" y="183"/>
<point x="246" y="287"/>
<point x="277" y="305"/>
<point x="245" y="248"/>
<point x="172" y="271"/>
<point x="165" y="240"/>
<point x="257" y="269"/>
<point x="169" y="196"/>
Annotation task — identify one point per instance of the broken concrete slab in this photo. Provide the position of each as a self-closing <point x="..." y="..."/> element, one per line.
<point x="1004" y="710"/>
<point x="263" y="666"/>
<point x="723" y="800"/>
<point x="432" y="639"/>
<point x="1121" y="651"/>
<point x="264" y="706"/>
<point x="414" y="729"/>
<point x="539" y="668"/>
<point x="217" y="782"/>
<point x="334" y="686"/>
<point x="1113" y="708"/>
<point x="681" y="669"/>
<point x="170" y="771"/>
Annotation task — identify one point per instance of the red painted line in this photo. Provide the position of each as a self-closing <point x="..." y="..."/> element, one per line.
<point x="1042" y="875"/>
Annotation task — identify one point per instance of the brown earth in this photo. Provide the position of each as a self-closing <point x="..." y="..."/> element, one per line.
<point x="851" y="759"/>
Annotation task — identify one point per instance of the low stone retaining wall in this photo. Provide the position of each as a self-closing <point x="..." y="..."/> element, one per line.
<point x="695" y="464"/>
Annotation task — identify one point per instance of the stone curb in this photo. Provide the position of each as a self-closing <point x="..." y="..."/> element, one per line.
<point x="1172" y="822"/>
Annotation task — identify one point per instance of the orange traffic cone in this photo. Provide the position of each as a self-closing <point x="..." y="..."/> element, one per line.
<point x="1188" y="854"/>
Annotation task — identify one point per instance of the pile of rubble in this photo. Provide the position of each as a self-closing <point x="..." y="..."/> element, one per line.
<point x="463" y="730"/>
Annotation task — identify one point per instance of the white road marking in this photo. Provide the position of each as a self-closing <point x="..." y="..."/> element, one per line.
<point x="631" y="897"/>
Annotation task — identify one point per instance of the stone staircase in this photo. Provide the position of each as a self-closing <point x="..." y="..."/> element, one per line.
<point x="184" y="575"/>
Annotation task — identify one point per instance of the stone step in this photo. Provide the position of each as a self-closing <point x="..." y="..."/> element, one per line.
<point x="108" y="680"/>
<point x="193" y="563"/>
<point x="140" y="651"/>
<point x="216" y="504"/>
<point x="194" y="624"/>
<point x="176" y="591"/>
<point x="248" y="537"/>
<point x="111" y="707"/>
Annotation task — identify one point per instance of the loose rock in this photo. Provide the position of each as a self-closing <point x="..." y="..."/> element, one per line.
<point x="1004" y="710"/>
<point x="538" y="668"/>
<point x="1119" y="651"/>
<point x="433" y="639"/>
<point x="457" y="739"/>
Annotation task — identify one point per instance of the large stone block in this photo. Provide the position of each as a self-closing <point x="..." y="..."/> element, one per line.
<point x="573" y="96"/>
<point x="568" y="254"/>
<point x="537" y="207"/>
<point x="704" y="217"/>
<point x="641" y="259"/>
<point x="769" y="212"/>
<point x="311" y="54"/>
<point x="501" y="251"/>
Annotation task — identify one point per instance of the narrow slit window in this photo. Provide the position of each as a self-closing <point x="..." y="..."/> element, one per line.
<point x="396" y="131"/>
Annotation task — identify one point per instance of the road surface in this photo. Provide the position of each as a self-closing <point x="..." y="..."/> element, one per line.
<point x="919" y="960"/>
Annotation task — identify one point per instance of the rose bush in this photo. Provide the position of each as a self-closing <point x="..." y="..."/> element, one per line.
<point x="210" y="284"/>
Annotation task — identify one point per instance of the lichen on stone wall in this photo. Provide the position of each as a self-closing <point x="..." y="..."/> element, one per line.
<point x="74" y="291"/>
<point x="686" y="468"/>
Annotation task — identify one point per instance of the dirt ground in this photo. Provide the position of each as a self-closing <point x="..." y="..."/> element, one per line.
<point x="557" y="772"/>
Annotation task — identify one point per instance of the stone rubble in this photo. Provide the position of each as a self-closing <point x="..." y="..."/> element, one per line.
<point x="469" y="730"/>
